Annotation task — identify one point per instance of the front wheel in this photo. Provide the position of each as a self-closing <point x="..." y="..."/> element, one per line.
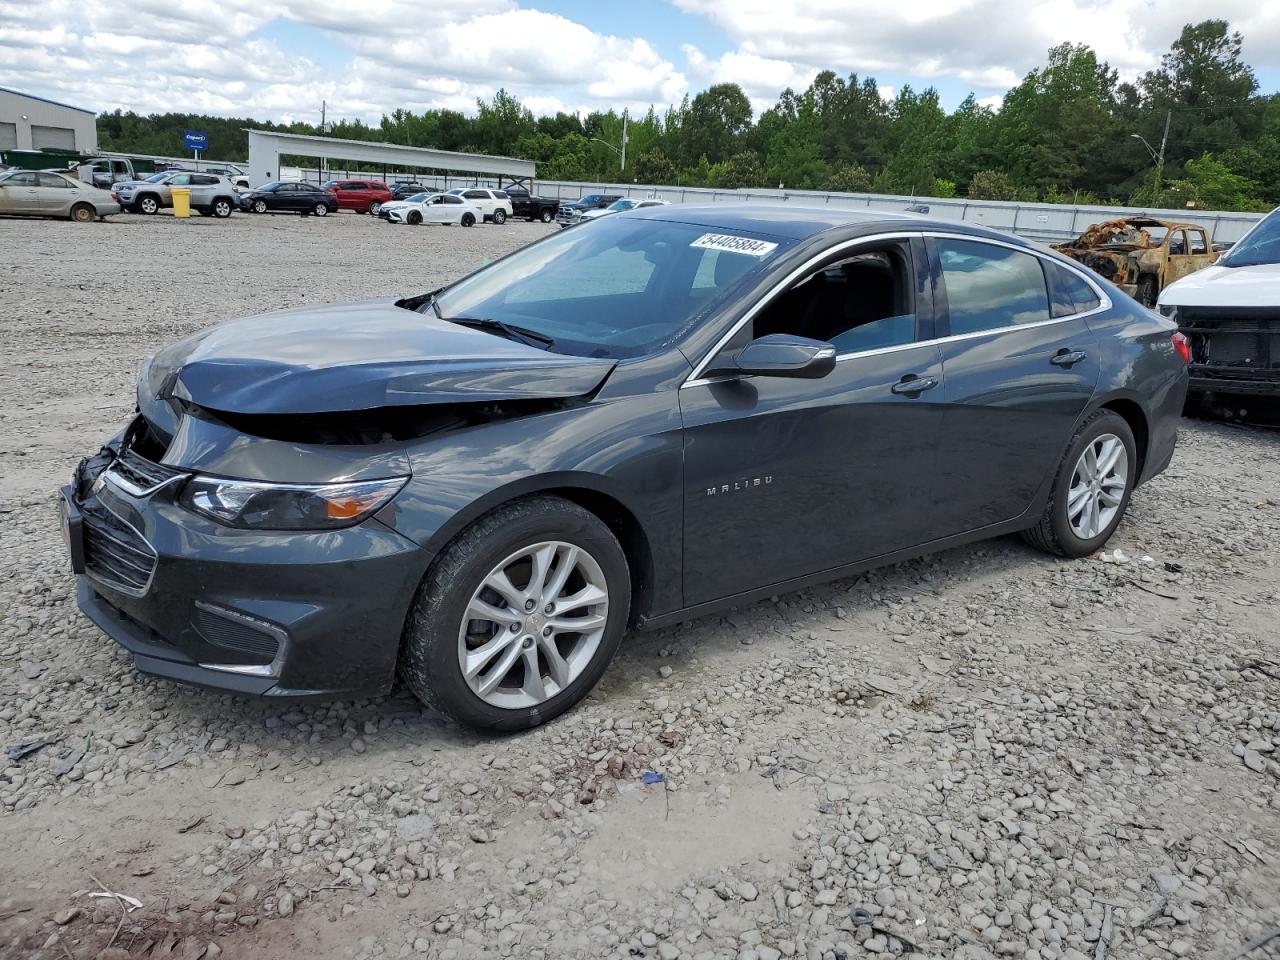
<point x="468" y="220"/>
<point x="499" y="217"/>
<point x="519" y="617"/>
<point x="414" y="219"/>
<point x="259" y="206"/>
<point x="1091" y="491"/>
<point x="321" y="210"/>
<point x="149" y="205"/>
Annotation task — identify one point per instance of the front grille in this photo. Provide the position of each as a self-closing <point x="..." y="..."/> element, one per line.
<point x="235" y="632"/>
<point x="115" y="554"/>
<point x="140" y="475"/>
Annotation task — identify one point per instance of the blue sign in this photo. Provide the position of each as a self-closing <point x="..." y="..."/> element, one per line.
<point x="195" y="139"/>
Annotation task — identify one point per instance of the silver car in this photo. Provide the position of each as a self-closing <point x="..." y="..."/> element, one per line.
<point x="39" y="193"/>
<point x="211" y="194"/>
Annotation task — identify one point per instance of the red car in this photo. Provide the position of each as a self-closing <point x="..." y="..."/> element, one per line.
<point x="362" y="196"/>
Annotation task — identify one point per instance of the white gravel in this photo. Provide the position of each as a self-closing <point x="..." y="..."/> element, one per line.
<point x="987" y="753"/>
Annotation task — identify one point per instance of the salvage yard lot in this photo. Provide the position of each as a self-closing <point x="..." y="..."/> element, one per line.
<point x="991" y="753"/>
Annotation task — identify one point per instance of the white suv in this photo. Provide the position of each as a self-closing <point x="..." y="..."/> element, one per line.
<point x="494" y="204"/>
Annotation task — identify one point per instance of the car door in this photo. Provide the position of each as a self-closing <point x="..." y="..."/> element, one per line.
<point x="54" y="195"/>
<point x="1018" y="374"/>
<point x="1188" y="252"/>
<point x="19" y="193"/>
<point x="299" y="196"/>
<point x="788" y="477"/>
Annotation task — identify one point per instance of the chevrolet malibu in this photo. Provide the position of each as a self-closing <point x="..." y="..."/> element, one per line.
<point x="481" y="487"/>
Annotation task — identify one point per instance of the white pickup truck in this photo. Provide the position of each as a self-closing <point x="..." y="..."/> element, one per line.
<point x="1230" y="312"/>
<point x="495" y="204"/>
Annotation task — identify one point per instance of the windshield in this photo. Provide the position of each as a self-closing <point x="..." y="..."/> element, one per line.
<point x="621" y="289"/>
<point x="1260" y="245"/>
<point x="623" y="204"/>
<point x="269" y="186"/>
<point x="458" y="191"/>
<point x="418" y="197"/>
<point x="157" y="177"/>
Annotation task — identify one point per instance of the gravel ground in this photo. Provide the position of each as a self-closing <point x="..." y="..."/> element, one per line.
<point x="986" y="753"/>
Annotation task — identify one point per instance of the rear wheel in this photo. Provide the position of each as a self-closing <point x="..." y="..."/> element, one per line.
<point x="259" y="206"/>
<point x="149" y="205"/>
<point x="414" y="218"/>
<point x="1091" y="491"/>
<point x="468" y="220"/>
<point x="222" y="208"/>
<point x="321" y="210"/>
<point x="518" y="618"/>
<point x="83" y="213"/>
<point x="546" y="216"/>
<point x="374" y="208"/>
<point x="499" y="217"/>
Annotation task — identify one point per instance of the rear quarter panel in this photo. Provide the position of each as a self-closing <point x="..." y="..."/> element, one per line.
<point x="1139" y="364"/>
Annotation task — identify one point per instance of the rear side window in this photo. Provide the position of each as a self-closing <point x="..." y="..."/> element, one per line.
<point x="53" y="180"/>
<point x="476" y="195"/>
<point x="991" y="287"/>
<point x="1069" y="293"/>
<point x="1199" y="245"/>
<point x="201" y="180"/>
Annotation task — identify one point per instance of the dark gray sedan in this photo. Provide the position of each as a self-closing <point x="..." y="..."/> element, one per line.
<point x="680" y="409"/>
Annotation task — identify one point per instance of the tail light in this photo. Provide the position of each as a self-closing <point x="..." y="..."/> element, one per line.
<point x="1182" y="346"/>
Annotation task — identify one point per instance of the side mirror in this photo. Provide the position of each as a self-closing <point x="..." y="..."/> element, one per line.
<point x="784" y="355"/>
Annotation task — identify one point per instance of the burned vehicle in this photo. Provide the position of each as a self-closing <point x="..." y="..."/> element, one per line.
<point x="1230" y="314"/>
<point x="1141" y="255"/>
<point x="478" y="489"/>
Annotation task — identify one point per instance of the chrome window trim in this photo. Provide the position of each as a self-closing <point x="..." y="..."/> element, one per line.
<point x="695" y="378"/>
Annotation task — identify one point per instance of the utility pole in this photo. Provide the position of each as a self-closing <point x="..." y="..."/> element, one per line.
<point x="1160" y="162"/>
<point x="623" y="166"/>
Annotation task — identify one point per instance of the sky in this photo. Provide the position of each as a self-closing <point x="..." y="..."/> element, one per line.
<point x="279" y="59"/>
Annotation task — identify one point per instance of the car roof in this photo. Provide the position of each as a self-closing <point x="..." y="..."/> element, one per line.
<point x="800" y="223"/>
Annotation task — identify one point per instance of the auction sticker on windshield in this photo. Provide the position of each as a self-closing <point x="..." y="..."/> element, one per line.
<point x="724" y="241"/>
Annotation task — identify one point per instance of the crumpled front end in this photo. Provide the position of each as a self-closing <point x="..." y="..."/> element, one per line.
<point x="270" y="612"/>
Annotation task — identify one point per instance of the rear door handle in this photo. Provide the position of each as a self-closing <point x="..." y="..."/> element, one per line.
<point x="911" y="385"/>
<point x="1066" y="358"/>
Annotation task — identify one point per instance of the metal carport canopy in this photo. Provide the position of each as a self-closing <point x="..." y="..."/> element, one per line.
<point x="266" y="146"/>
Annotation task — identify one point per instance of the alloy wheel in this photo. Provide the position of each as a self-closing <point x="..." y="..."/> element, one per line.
<point x="533" y="625"/>
<point x="1097" y="486"/>
<point x="259" y="206"/>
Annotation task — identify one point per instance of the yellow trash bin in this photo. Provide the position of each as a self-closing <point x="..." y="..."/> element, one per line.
<point x="181" y="201"/>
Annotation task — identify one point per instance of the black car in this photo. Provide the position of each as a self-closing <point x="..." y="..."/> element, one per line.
<point x="680" y="409"/>
<point x="568" y="214"/>
<point x="289" y="196"/>
<point x="403" y="190"/>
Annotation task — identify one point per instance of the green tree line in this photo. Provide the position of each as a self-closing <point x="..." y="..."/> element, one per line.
<point x="1069" y="132"/>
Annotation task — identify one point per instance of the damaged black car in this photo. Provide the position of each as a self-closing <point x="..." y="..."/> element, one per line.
<point x="480" y="488"/>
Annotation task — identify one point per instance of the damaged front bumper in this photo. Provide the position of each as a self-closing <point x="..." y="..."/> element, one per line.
<point x="1234" y="350"/>
<point x="263" y="612"/>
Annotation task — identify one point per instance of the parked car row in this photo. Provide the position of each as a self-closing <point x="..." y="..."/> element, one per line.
<point x="41" y="193"/>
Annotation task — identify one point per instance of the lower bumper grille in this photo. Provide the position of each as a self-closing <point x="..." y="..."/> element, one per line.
<point x="115" y="554"/>
<point x="236" y="632"/>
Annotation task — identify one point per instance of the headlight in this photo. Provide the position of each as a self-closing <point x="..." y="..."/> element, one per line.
<point x="288" y="506"/>
<point x="1168" y="311"/>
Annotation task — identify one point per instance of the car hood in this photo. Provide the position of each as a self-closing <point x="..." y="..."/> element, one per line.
<point x="1217" y="286"/>
<point x="358" y="356"/>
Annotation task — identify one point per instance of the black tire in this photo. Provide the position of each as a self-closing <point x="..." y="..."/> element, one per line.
<point x="546" y="216"/>
<point x="414" y="218"/>
<point x="83" y="213"/>
<point x="429" y="659"/>
<point x="468" y="220"/>
<point x="321" y="210"/>
<point x="259" y="206"/>
<point x="1146" y="292"/>
<point x="149" y="205"/>
<point x="499" y="217"/>
<point x="374" y="207"/>
<point x="221" y="208"/>
<point x="1053" y="533"/>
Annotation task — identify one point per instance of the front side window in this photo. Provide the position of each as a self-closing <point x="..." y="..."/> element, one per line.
<point x="451" y="199"/>
<point x="990" y="287"/>
<point x="861" y="302"/>
<point x="181" y="180"/>
<point x="1260" y="245"/>
<point x="1178" y="242"/>
<point x="620" y="289"/>
<point x="21" y="180"/>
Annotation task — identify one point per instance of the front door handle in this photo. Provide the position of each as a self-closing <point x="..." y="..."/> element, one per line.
<point x="912" y="386"/>
<point x="1066" y="358"/>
